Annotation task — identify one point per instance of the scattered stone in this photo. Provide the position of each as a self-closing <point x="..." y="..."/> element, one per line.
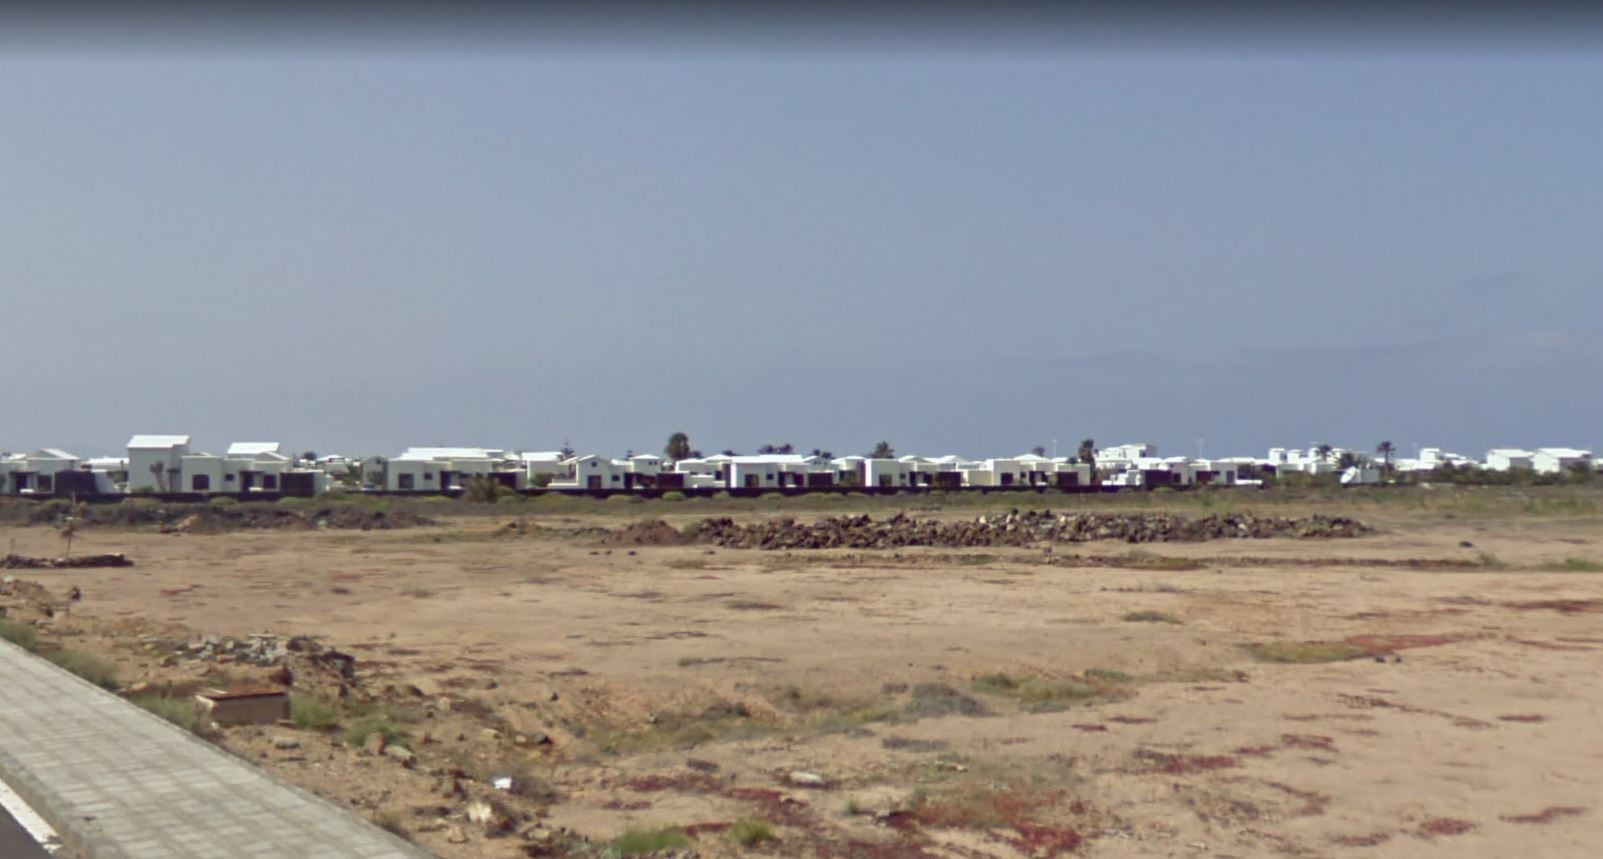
<point x="456" y="835"/>
<point x="375" y="743"/>
<point x="400" y="753"/>
<point x="807" y="779"/>
<point x="700" y="765"/>
<point x="283" y="741"/>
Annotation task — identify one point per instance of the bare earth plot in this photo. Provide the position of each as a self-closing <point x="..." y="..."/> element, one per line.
<point x="1399" y="694"/>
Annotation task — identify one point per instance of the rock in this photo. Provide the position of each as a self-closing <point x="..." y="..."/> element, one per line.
<point x="139" y="688"/>
<point x="455" y="835"/>
<point x="489" y="735"/>
<point x="283" y="741"/>
<point x="540" y="738"/>
<point x="803" y="778"/>
<point x="400" y="753"/>
<point x="480" y="811"/>
<point x="375" y="743"/>
<point x="700" y="765"/>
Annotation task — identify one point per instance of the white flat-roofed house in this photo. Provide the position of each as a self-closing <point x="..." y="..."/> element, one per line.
<point x="887" y="473"/>
<point x="1070" y="473"/>
<point x="541" y="467"/>
<point x="1509" y="459"/>
<point x="38" y="473"/>
<point x="156" y="462"/>
<point x="1558" y="460"/>
<point x="591" y="473"/>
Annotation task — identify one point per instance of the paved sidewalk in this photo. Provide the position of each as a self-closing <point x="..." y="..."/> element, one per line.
<point x="119" y="783"/>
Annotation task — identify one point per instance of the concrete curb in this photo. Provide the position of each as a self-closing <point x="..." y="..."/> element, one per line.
<point x="83" y="837"/>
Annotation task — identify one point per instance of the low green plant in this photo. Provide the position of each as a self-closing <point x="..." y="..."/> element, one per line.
<point x="1149" y="616"/>
<point x="20" y="634"/>
<point x="222" y="501"/>
<point x="751" y="832"/>
<point x="357" y="732"/>
<point x="185" y="714"/>
<point x="313" y="712"/>
<point x="640" y="842"/>
<point x="1579" y="565"/>
<point x="86" y="665"/>
<point x="1305" y="652"/>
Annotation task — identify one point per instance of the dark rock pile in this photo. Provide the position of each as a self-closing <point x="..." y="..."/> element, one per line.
<point x="1015" y="529"/>
<point x="25" y="562"/>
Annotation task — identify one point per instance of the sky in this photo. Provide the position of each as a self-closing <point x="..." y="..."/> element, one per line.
<point x="969" y="239"/>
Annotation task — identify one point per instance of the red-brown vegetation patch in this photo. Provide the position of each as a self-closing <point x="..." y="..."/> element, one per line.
<point x="690" y="782"/>
<point x="1560" y="606"/>
<point x="1093" y="728"/>
<point x="1546" y="815"/>
<point x="1039" y="840"/>
<point x="1009" y="807"/>
<point x="1314" y="803"/>
<point x="1522" y="717"/>
<point x="773" y="805"/>
<point x="712" y="828"/>
<point x="1168" y="764"/>
<point x="1373" y="839"/>
<point x="1380" y="643"/>
<point x="1580" y="639"/>
<point x="620" y="805"/>
<point x="1132" y="720"/>
<point x="1444" y="826"/>
<point x="1255" y="751"/>
<point x="1308" y="741"/>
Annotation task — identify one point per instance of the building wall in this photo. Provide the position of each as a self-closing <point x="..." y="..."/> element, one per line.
<point x="140" y="461"/>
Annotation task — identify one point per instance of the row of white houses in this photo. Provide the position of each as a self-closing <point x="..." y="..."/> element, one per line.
<point x="166" y="465"/>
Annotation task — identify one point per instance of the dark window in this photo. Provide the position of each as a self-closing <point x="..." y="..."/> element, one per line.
<point x="614" y="478"/>
<point x="44" y="483"/>
<point x="200" y="482"/>
<point x="228" y="478"/>
<point x="428" y="475"/>
<point x="404" y="481"/>
<point x="269" y="481"/>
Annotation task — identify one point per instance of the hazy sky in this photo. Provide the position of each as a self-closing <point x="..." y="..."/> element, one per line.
<point x="956" y="247"/>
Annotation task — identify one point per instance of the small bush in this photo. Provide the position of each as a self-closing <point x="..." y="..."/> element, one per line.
<point x="1151" y="617"/>
<point x="638" y="842"/>
<point x="1580" y="565"/>
<point x="357" y="732"/>
<point x="222" y="501"/>
<point x="19" y="634"/>
<point x="673" y="495"/>
<point x="310" y="711"/>
<point x="184" y="714"/>
<point x="86" y="665"/>
<point x="751" y="832"/>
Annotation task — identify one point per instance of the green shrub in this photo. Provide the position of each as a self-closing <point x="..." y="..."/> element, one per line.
<point x="673" y="495"/>
<point x="19" y="634"/>
<point x="357" y="732"/>
<point x="1305" y="652"/>
<point x="86" y="665"/>
<point x="1149" y="616"/>
<point x="311" y="711"/>
<point x="222" y="501"/>
<point x="185" y="714"/>
<point x="638" y="842"/>
<point x="751" y="832"/>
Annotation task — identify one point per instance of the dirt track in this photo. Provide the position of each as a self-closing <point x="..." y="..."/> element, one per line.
<point x="987" y="702"/>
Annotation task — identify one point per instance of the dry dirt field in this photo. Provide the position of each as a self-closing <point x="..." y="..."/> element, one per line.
<point x="1428" y="690"/>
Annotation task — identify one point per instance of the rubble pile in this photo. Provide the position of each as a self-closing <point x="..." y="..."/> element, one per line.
<point x="1015" y="529"/>
<point x="26" y="562"/>
<point x="299" y="653"/>
<point x="21" y="599"/>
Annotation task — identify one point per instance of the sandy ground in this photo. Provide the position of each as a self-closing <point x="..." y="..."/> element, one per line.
<point x="681" y="686"/>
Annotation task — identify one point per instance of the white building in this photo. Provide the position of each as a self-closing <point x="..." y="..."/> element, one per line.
<point x="38" y="473"/>
<point x="155" y="462"/>
<point x="1509" y="459"/>
<point x="887" y="473"/>
<point x="1557" y="460"/>
<point x="590" y="473"/>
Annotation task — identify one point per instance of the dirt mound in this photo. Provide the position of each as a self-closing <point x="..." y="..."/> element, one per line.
<point x="648" y="532"/>
<point x="1015" y="529"/>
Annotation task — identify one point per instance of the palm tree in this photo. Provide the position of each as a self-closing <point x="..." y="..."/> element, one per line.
<point x="1088" y="451"/>
<point x="1324" y="451"/>
<point x="1386" y="449"/>
<point x="157" y="472"/>
<point x="883" y="450"/>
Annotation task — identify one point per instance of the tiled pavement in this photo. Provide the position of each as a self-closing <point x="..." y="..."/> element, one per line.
<point x="119" y="783"/>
